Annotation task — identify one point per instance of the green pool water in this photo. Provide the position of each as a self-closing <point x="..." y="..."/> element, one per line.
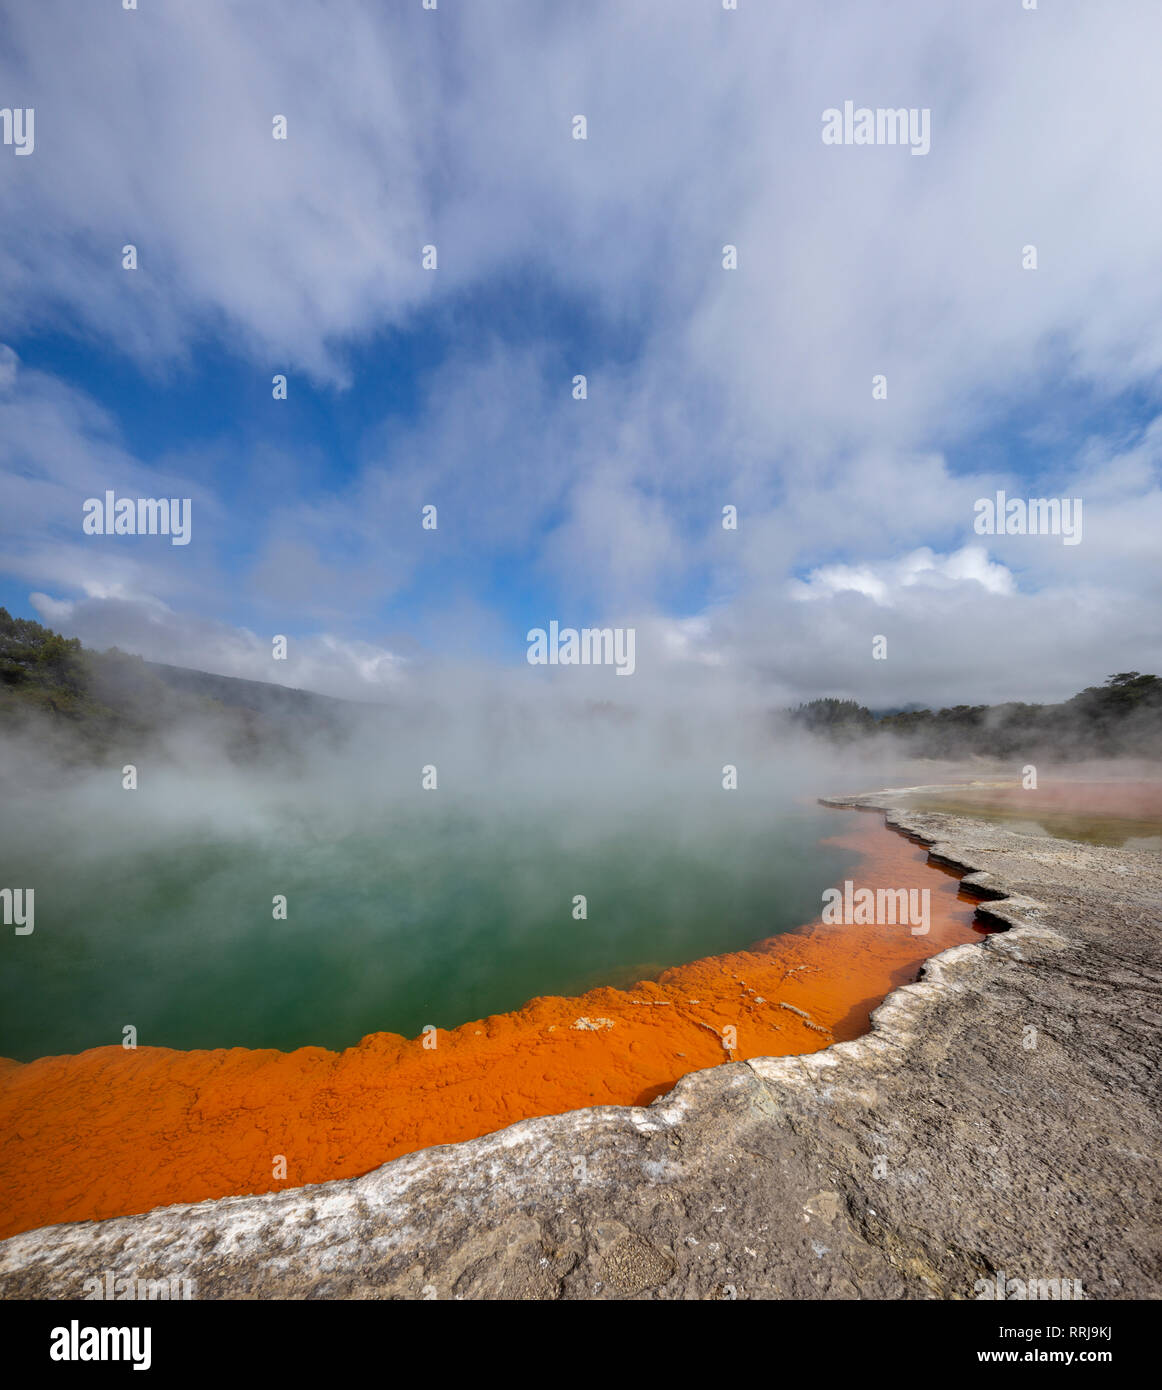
<point x="396" y="917"/>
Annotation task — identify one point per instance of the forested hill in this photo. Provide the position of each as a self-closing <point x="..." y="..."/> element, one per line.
<point x="1123" y="717"/>
<point x="101" y="701"/>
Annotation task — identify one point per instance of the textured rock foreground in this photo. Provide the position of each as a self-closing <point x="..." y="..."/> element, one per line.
<point x="1002" y="1116"/>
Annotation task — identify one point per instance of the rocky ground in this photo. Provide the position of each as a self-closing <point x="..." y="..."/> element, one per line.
<point x="1002" y="1116"/>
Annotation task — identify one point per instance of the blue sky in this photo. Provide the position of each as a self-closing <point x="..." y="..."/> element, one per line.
<point x="218" y="409"/>
<point x="556" y="256"/>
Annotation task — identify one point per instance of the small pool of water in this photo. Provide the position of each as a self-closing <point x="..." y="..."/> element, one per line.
<point x="1119" y="815"/>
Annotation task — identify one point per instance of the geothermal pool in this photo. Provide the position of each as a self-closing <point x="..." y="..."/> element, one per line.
<point x="1123" y="815"/>
<point x="113" y="1131"/>
<point x="394" y="921"/>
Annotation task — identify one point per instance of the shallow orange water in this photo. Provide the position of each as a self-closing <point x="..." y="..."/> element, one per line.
<point x="109" y="1131"/>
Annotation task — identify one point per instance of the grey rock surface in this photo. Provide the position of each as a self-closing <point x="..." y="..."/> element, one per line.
<point x="1002" y="1115"/>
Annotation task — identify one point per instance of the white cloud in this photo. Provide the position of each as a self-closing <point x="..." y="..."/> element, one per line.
<point x="883" y="582"/>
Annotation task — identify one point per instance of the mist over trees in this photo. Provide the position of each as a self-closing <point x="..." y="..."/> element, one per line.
<point x="1121" y="717"/>
<point x="96" y="702"/>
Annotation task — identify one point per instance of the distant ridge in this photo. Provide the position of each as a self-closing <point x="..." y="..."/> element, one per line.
<point x="264" y="697"/>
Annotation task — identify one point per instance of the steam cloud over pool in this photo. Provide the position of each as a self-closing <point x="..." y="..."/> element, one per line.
<point x="561" y="860"/>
